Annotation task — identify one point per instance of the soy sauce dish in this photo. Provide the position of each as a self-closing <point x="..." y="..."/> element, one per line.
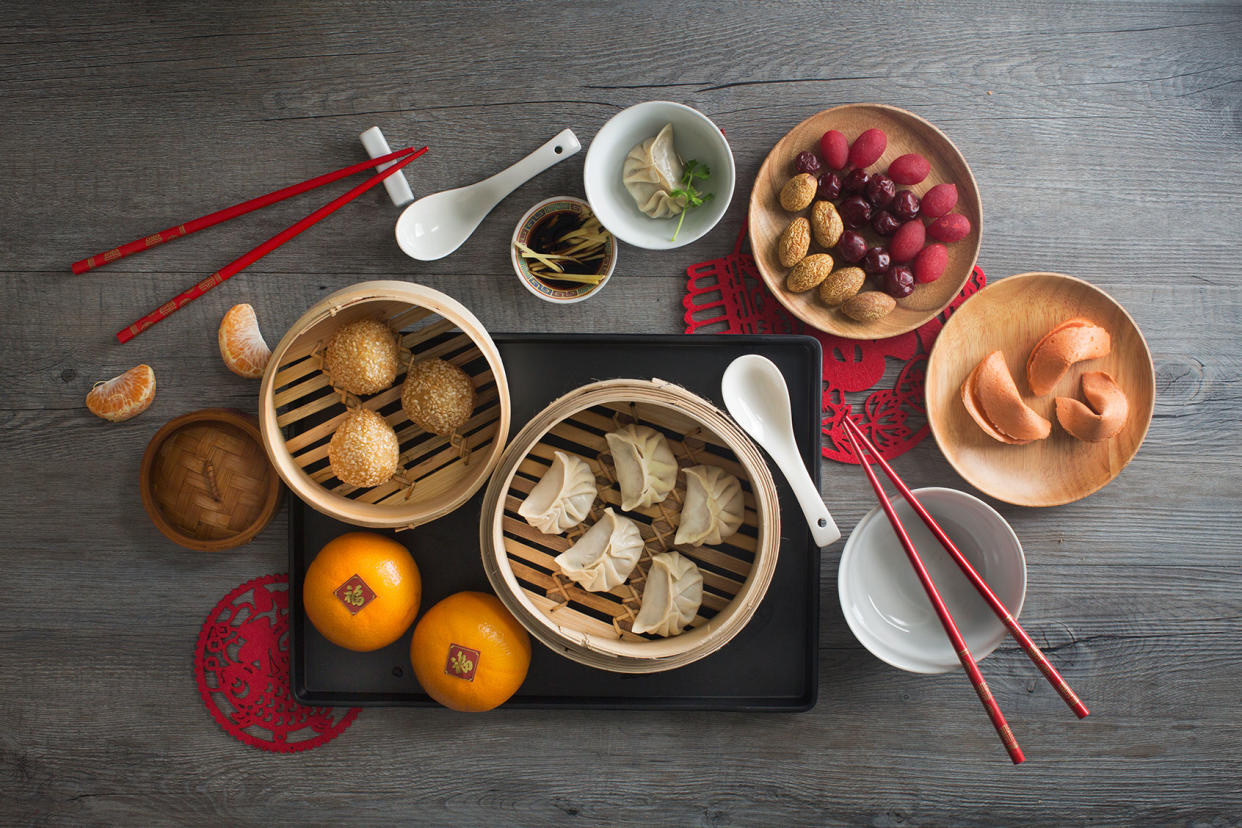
<point x="560" y="251"/>
<point x="884" y="603"/>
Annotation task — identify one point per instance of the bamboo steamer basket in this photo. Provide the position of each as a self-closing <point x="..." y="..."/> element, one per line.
<point x="594" y="628"/>
<point x="299" y="410"/>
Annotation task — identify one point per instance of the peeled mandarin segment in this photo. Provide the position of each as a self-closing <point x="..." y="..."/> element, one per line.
<point x="1111" y="408"/>
<point x="1072" y="341"/>
<point x="122" y="397"/>
<point x="994" y="394"/>
<point x="241" y="344"/>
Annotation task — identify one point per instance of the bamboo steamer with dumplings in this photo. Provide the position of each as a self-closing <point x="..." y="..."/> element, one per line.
<point x="428" y="474"/>
<point x="596" y="628"/>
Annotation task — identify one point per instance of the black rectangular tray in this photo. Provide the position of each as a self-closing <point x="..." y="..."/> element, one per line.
<point x="772" y="664"/>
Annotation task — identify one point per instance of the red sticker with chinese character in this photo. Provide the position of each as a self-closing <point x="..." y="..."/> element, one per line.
<point x="355" y="594"/>
<point x="462" y="663"/>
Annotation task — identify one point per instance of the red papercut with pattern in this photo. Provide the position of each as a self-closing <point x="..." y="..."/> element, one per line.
<point x="728" y="295"/>
<point x="242" y="669"/>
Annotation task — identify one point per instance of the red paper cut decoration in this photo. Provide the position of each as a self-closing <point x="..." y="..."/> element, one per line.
<point x="241" y="665"/>
<point x="729" y="296"/>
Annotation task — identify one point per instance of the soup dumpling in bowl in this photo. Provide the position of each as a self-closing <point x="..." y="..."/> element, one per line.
<point x="651" y="172"/>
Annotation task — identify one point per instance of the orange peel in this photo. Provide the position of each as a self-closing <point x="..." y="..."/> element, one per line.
<point x="1105" y="416"/>
<point x="1072" y="341"/>
<point x="991" y="398"/>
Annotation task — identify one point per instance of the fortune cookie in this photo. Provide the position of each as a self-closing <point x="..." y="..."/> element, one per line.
<point x="1107" y="414"/>
<point x="1067" y="343"/>
<point x="991" y="398"/>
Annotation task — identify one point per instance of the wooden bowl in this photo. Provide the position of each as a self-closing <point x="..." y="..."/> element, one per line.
<point x="1012" y="315"/>
<point x="906" y="132"/>
<point x="205" y="481"/>
<point x="594" y="628"/>
<point x="299" y="411"/>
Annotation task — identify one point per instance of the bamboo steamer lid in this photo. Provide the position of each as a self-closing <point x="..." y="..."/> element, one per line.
<point x="593" y="628"/>
<point x="299" y="410"/>
<point x="206" y="481"/>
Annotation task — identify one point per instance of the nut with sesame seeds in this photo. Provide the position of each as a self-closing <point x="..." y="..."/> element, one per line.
<point x="362" y="357"/>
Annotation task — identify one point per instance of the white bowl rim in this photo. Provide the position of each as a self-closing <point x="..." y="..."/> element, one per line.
<point x="688" y="238"/>
<point x="517" y="268"/>
<point x="865" y="638"/>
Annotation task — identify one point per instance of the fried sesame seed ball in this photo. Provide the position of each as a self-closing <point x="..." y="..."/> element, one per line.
<point x="438" y="396"/>
<point x="362" y="357"/>
<point x="364" y="450"/>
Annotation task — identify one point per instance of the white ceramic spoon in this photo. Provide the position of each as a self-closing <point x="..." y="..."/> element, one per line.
<point x="756" y="395"/>
<point x="436" y="225"/>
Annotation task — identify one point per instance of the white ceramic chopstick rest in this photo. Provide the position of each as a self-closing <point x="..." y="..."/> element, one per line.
<point x="376" y="145"/>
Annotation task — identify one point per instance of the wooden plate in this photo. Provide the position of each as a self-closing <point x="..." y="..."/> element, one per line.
<point x="1012" y="315"/>
<point x="906" y="132"/>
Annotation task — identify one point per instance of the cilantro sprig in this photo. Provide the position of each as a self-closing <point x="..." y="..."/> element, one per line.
<point x="687" y="190"/>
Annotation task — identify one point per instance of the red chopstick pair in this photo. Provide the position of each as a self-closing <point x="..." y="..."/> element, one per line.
<point x="856" y="435"/>
<point x="228" y="271"/>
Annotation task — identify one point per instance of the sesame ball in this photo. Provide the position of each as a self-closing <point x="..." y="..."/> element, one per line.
<point x="438" y="396"/>
<point x="362" y="357"/>
<point x="364" y="450"/>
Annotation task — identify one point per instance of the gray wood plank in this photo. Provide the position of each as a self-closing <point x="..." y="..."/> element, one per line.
<point x="1105" y="140"/>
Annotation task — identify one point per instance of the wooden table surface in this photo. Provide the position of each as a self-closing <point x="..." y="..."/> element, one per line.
<point x="1106" y="139"/>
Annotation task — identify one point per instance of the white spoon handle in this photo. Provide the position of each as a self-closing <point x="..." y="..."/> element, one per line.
<point x="563" y="145"/>
<point x="823" y="527"/>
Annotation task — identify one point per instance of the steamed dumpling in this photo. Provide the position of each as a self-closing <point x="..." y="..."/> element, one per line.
<point x="562" y="497"/>
<point x="714" y="506"/>
<point x="652" y="170"/>
<point x="672" y="596"/>
<point x="646" y="467"/>
<point x="606" y="555"/>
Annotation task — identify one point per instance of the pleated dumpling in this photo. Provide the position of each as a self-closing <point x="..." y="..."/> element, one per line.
<point x="646" y="467"/>
<point x="714" y="506"/>
<point x="562" y="497"/>
<point x="651" y="172"/>
<point x="672" y="596"/>
<point x="606" y="555"/>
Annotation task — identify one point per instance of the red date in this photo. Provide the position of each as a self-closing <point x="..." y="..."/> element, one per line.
<point x="950" y="228"/>
<point x="910" y="168"/>
<point x="868" y="147"/>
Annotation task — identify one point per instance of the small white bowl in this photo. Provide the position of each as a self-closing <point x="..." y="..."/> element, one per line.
<point x="884" y="603"/>
<point x="694" y="137"/>
<point x="545" y="291"/>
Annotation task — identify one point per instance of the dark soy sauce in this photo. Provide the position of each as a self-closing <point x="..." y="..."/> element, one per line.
<point x="543" y="239"/>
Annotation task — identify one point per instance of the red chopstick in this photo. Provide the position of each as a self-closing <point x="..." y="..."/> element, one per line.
<point x="946" y="620"/>
<point x="228" y="271"/>
<point x="1033" y="652"/>
<point x="203" y="222"/>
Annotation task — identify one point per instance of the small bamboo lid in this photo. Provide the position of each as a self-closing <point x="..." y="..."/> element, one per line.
<point x="206" y="480"/>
